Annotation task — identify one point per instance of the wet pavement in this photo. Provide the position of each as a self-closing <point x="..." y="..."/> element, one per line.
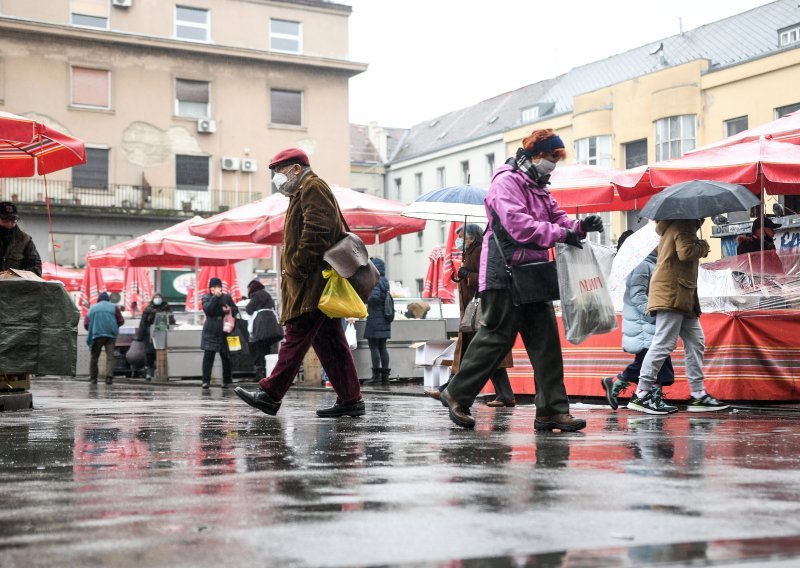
<point x="139" y="475"/>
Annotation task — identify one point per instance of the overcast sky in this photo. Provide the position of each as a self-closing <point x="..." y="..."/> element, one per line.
<point x="430" y="57"/>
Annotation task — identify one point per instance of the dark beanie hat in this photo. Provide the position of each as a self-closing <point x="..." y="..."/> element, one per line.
<point x="254" y="286"/>
<point x="103" y="297"/>
<point x="215" y="282"/>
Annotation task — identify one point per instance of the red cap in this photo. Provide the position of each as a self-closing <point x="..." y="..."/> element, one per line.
<point x="289" y="156"/>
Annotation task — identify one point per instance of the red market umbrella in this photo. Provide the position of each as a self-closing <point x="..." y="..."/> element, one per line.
<point x="453" y="256"/>
<point x="784" y="129"/>
<point x="72" y="278"/>
<point x="96" y="280"/>
<point x="138" y="288"/>
<point x="372" y="218"/>
<point x="230" y="283"/>
<point x="115" y="254"/>
<point x="582" y="188"/>
<point x="773" y="166"/>
<point x="28" y="147"/>
<point x="435" y="286"/>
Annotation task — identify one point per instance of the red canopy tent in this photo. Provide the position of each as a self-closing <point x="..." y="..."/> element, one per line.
<point x="230" y="283"/>
<point x="72" y="278"/>
<point x="96" y="280"/>
<point x="784" y="129"/>
<point x="138" y="288"/>
<point x="581" y="188"/>
<point x="372" y="218"/>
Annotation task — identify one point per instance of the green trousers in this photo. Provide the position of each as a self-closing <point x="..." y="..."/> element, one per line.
<point x="536" y="323"/>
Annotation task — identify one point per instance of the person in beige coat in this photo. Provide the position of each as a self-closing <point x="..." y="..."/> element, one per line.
<point x="674" y="302"/>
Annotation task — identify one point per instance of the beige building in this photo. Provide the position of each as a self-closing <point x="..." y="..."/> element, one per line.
<point x="181" y="105"/>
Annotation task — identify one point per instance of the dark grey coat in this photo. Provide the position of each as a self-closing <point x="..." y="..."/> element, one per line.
<point x="213" y="338"/>
<point x="378" y="327"/>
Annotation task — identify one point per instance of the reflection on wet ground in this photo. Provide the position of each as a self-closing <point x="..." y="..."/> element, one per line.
<point x="153" y="476"/>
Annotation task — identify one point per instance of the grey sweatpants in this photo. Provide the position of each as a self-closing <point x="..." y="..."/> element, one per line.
<point x="669" y="326"/>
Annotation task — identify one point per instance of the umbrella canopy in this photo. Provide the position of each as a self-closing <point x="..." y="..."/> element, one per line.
<point x="435" y="286"/>
<point x="458" y="203"/>
<point x="581" y="188"/>
<point x="785" y="129"/>
<point x="697" y="199"/>
<point x="28" y="147"/>
<point x="761" y="163"/>
<point x="138" y="288"/>
<point x="115" y="254"/>
<point x="96" y="280"/>
<point x="372" y="218"/>
<point x="230" y="284"/>
<point x="71" y="278"/>
<point x="632" y="252"/>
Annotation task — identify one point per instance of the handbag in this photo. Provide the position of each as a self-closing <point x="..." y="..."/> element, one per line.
<point x="136" y="354"/>
<point x="531" y="282"/>
<point x="473" y="317"/>
<point x="228" y="323"/>
<point x="388" y="307"/>
<point x="350" y="259"/>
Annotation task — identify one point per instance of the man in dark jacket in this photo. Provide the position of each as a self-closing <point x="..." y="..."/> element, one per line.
<point x="102" y="321"/>
<point x="314" y="223"/>
<point x="753" y="242"/>
<point x="216" y="305"/>
<point x="16" y="247"/>
<point x="263" y="327"/>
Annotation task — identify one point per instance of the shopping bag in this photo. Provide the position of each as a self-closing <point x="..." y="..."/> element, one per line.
<point x="350" y="334"/>
<point x="586" y="306"/>
<point x="472" y="320"/>
<point x="234" y="343"/>
<point x="136" y="354"/>
<point x="339" y="299"/>
<point x="228" y="323"/>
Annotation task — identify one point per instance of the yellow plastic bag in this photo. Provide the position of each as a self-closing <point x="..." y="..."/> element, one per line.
<point x="339" y="299"/>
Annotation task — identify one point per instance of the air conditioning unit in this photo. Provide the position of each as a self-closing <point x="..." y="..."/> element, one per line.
<point x="206" y="125"/>
<point x="229" y="164"/>
<point x="249" y="165"/>
<point x="122" y="3"/>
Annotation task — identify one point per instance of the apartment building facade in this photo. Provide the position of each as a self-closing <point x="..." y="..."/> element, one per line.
<point x="181" y="105"/>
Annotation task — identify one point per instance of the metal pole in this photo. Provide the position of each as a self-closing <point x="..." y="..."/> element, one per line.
<point x="196" y="289"/>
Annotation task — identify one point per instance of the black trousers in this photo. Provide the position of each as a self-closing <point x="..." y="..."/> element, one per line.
<point x="208" y="364"/>
<point x="98" y="345"/>
<point x="259" y="350"/>
<point x="536" y="323"/>
<point x="378" y="353"/>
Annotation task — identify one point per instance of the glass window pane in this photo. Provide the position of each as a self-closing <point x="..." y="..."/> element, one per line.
<point x="94" y="173"/>
<point x="688" y="145"/>
<point x="635" y="153"/>
<point x="89" y="21"/>
<point x="90" y="87"/>
<point x="661" y="131"/>
<point x="287" y="107"/>
<point x="674" y="127"/>
<point x="675" y="149"/>
<point x="191" y="172"/>
<point x="285" y="44"/>
<point x="186" y="32"/>
<point x="193" y="110"/>
<point x="688" y="126"/>
<point x="192" y="15"/>
<point x="192" y="91"/>
<point x="592" y="146"/>
<point x="284" y="27"/>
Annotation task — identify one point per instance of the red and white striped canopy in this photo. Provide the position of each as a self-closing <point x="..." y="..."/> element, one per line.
<point x="28" y="147"/>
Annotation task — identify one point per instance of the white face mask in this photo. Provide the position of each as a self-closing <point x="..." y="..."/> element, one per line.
<point x="157" y="301"/>
<point x="459" y="243"/>
<point x="545" y="167"/>
<point x="280" y="180"/>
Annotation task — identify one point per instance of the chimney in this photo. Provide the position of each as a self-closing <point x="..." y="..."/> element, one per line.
<point x="379" y="139"/>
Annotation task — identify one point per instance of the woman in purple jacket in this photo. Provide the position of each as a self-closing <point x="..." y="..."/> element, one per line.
<point x="528" y="222"/>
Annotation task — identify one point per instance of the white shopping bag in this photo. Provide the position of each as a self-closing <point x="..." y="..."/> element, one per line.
<point x="586" y="306"/>
<point x="350" y="334"/>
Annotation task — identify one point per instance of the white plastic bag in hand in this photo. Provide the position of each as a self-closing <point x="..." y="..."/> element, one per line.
<point x="350" y="334"/>
<point x="586" y="306"/>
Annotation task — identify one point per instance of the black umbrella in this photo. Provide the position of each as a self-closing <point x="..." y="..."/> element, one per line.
<point x="697" y="199"/>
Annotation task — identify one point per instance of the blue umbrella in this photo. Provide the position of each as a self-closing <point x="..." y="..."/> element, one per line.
<point x="457" y="203"/>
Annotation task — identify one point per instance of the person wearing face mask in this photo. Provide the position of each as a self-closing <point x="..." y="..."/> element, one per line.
<point x="528" y="222"/>
<point x="156" y="306"/>
<point x="314" y="223"/>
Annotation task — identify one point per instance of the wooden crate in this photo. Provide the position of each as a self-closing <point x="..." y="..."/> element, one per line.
<point x="14" y="382"/>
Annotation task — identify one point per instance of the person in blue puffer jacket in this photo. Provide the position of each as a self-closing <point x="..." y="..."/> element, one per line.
<point x="638" y="329"/>
<point x="378" y="328"/>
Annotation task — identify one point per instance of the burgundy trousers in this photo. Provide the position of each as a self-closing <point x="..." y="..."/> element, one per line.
<point x="326" y="336"/>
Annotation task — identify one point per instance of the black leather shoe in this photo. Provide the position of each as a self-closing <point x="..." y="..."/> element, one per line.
<point x="227" y="384"/>
<point x="93" y="381"/>
<point x="337" y="410"/>
<point x="259" y="399"/>
<point x="206" y="386"/>
<point x="109" y="381"/>
<point x="563" y="422"/>
<point x="458" y="413"/>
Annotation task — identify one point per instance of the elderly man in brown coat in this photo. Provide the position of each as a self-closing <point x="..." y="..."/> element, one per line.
<point x="313" y="224"/>
<point x="673" y="299"/>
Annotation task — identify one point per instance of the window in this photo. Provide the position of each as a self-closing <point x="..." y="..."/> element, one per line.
<point x="441" y="179"/>
<point x="191" y="98"/>
<point x="595" y="150"/>
<point x="94" y="173"/>
<point x="191" y="172"/>
<point x="285" y="36"/>
<point x="91" y="87"/>
<point x="530" y="114"/>
<point x="735" y="125"/>
<point x="489" y="166"/>
<point x="418" y="184"/>
<point x="73" y="247"/>
<point x="674" y="136"/>
<point x="89" y="13"/>
<point x="635" y="153"/>
<point x="398" y="246"/>
<point x="420" y="286"/>
<point x="420" y="240"/>
<point x="442" y="232"/>
<point x="287" y="107"/>
<point x="465" y="171"/>
<point x="191" y="23"/>
<point x="780" y="112"/>
<point x="398" y="189"/>
<point x="790" y="35"/>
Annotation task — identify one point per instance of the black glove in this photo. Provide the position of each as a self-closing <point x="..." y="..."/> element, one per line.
<point x="592" y="223"/>
<point x="573" y="239"/>
<point x="463" y="273"/>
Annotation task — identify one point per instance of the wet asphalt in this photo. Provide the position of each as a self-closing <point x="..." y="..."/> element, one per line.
<point x="141" y="475"/>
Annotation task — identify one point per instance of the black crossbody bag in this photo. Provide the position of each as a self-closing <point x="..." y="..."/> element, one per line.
<point x="531" y="282"/>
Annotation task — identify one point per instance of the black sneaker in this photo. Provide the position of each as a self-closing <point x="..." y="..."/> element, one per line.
<point x="658" y="396"/>
<point x="613" y="387"/>
<point x="706" y="403"/>
<point x="259" y="399"/>
<point x="648" y="404"/>
<point x="338" y="410"/>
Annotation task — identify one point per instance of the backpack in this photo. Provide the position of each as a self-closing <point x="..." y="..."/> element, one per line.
<point x="388" y="307"/>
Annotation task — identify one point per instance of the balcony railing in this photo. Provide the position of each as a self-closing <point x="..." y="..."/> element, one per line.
<point x="29" y="194"/>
